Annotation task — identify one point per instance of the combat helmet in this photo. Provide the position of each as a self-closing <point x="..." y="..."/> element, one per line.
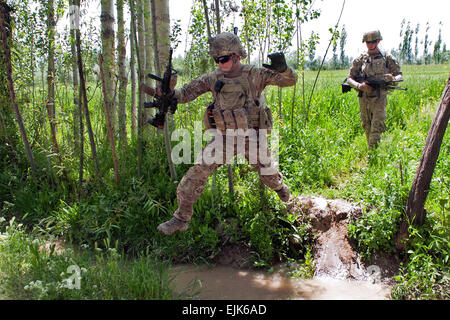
<point x="372" y="36"/>
<point x="224" y="44"/>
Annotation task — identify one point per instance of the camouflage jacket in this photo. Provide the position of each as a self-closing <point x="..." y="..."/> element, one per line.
<point x="374" y="65"/>
<point x="260" y="77"/>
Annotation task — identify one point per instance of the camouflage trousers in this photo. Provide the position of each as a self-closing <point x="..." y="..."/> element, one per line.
<point x="193" y="182"/>
<point x="372" y="111"/>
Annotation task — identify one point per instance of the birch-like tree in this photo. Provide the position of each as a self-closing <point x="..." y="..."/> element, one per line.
<point x="5" y="53"/>
<point x="161" y="40"/>
<point x="123" y="76"/>
<point x="74" y="5"/>
<point x="108" y="53"/>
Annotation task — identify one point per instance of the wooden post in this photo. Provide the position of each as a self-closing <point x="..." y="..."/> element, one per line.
<point x="415" y="211"/>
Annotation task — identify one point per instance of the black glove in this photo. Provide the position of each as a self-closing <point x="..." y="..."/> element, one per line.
<point x="278" y="62"/>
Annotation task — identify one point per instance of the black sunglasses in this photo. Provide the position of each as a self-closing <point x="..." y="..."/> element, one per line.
<point x="374" y="41"/>
<point x="222" y="59"/>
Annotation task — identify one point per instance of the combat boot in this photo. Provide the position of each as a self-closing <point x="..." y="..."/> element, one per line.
<point x="172" y="226"/>
<point x="284" y="193"/>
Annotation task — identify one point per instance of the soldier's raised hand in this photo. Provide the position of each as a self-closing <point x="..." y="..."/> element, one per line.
<point x="277" y="62"/>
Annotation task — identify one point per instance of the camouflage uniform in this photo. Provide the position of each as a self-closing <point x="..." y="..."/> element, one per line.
<point x="237" y="105"/>
<point x="372" y="107"/>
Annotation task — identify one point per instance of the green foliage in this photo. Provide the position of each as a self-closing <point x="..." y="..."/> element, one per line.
<point x="375" y="232"/>
<point x="306" y="269"/>
<point x="426" y="276"/>
<point x="37" y="269"/>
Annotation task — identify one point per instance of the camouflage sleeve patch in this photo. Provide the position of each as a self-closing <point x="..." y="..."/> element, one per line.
<point x="194" y="89"/>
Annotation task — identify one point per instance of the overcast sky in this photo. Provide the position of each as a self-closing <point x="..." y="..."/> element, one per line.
<point x="359" y="16"/>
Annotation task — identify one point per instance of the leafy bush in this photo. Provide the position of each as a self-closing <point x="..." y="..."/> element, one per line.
<point x="375" y="232"/>
<point x="426" y="275"/>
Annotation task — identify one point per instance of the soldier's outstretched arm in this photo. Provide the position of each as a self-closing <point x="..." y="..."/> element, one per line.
<point x="194" y="89"/>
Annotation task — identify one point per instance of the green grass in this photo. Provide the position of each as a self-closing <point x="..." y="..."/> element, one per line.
<point x="27" y="271"/>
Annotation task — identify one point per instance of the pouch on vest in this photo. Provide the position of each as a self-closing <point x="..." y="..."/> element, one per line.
<point x="208" y="118"/>
<point x="232" y="96"/>
<point x="219" y="120"/>
<point x="265" y="118"/>
<point x="253" y="112"/>
<point x="241" y="118"/>
<point x="228" y="117"/>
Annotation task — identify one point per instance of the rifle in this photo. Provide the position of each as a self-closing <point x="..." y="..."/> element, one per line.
<point x="374" y="83"/>
<point x="164" y="103"/>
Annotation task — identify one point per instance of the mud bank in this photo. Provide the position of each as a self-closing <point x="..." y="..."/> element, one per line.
<point x="333" y="253"/>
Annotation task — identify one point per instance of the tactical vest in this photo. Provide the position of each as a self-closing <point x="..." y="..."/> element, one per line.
<point x="236" y="104"/>
<point x="374" y="66"/>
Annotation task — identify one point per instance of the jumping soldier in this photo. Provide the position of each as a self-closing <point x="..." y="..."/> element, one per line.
<point x="238" y="104"/>
<point x="376" y="65"/>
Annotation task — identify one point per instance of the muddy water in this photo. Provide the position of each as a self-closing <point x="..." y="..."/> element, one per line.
<point x="340" y="274"/>
<point x="227" y="283"/>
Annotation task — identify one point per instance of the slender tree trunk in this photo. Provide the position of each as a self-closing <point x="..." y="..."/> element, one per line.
<point x="51" y="108"/>
<point x="208" y="27"/>
<point x="217" y="7"/>
<point x="51" y="63"/>
<point x="123" y="77"/>
<point x="108" y="50"/>
<point x="86" y="104"/>
<point x="75" y="80"/>
<point x="77" y="96"/>
<point x="161" y="33"/>
<point x="7" y="123"/>
<point x="139" y="44"/>
<point x="158" y="68"/>
<point x="149" y="66"/>
<point x="280" y="111"/>
<point x="208" y="30"/>
<point x="108" y="121"/>
<point x="229" y="166"/>
<point x="415" y="211"/>
<point x="81" y="126"/>
<point x="133" y="106"/>
<point x="4" y="24"/>
<point x="148" y="31"/>
<point x="297" y="24"/>
<point x="33" y="84"/>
